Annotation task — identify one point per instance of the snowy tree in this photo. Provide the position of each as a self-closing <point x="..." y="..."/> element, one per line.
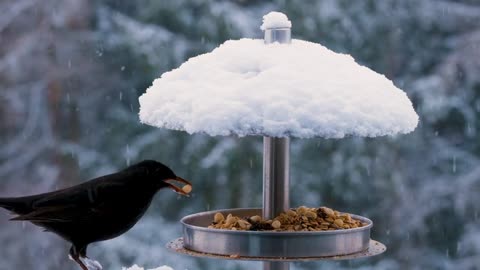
<point x="71" y="73"/>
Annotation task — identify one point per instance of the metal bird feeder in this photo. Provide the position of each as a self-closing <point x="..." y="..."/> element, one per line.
<point x="276" y="249"/>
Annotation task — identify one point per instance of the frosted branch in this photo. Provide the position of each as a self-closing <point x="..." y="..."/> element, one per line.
<point x="14" y="10"/>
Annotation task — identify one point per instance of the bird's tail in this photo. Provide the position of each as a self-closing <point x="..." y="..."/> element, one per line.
<point x="12" y="204"/>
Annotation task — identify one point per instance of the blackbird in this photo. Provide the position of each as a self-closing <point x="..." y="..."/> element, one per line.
<point x="100" y="209"/>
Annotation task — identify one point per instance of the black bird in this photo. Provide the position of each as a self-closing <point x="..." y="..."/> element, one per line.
<point x="100" y="209"/>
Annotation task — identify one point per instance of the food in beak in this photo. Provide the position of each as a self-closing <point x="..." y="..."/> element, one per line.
<point x="185" y="190"/>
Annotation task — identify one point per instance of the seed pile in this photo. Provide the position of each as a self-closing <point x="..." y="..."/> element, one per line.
<point x="298" y="219"/>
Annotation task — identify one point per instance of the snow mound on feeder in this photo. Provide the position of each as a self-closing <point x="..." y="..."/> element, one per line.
<point x="275" y="20"/>
<point x="303" y="90"/>
<point x="136" y="267"/>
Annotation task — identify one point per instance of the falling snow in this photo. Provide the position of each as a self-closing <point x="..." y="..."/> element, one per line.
<point x="59" y="129"/>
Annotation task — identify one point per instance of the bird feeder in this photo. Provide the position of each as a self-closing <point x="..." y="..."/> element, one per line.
<point x="276" y="88"/>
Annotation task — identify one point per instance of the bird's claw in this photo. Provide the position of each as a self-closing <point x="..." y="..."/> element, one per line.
<point x="91" y="264"/>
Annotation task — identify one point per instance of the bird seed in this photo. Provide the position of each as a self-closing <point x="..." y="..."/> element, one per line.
<point x="297" y="219"/>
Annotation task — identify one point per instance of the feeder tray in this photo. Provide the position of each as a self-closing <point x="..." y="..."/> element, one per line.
<point x="178" y="246"/>
<point x="198" y="240"/>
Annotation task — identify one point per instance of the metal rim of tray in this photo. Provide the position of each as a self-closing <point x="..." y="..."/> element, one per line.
<point x="185" y="223"/>
<point x="375" y="248"/>
<point x="271" y="244"/>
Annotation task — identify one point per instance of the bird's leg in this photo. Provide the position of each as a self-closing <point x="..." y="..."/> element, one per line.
<point x="75" y="256"/>
<point x="91" y="264"/>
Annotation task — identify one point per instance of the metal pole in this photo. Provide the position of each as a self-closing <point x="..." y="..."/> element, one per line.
<point x="276" y="180"/>
<point x="276" y="163"/>
<point x="276" y="266"/>
<point x="280" y="35"/>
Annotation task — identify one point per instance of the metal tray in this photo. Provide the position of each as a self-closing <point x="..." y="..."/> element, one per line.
<point x="375" y="248"/>
<point x="269" y="244"/>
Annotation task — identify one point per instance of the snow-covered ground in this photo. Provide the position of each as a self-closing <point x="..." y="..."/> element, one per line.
<point x="136" y="267"/>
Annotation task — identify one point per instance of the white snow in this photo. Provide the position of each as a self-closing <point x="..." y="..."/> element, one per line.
<point x="136" y="267"/>
<point x="301" y="89"/>
<point x="275" y="20"/>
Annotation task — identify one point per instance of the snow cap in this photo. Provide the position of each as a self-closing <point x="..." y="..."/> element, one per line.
<point x="245" y="87"/>
<point x="275" y="20"/>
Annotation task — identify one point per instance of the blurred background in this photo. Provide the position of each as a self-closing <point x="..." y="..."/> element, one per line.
<point x="71" y="72"/>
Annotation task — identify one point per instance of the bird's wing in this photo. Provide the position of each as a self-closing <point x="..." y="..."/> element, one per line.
<point x="85" y="195"/>
<point x="60" y="214"/>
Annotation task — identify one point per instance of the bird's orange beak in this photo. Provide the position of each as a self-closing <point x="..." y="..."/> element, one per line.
<point x="184" y="190"/>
